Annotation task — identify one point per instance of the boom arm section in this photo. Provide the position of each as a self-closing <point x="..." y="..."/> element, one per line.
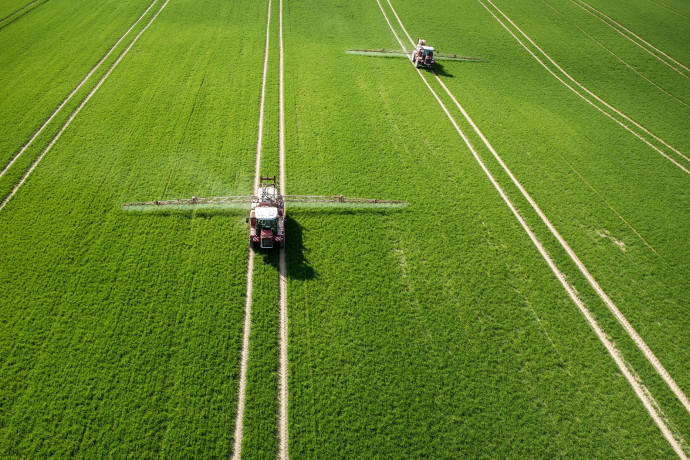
<point x="336" y="199"/>
<point x="195" y="200"/>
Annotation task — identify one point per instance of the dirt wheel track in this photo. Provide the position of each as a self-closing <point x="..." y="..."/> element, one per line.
<point x="246" y="334"/>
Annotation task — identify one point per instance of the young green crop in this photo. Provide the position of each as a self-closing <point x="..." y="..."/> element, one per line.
<point x="45" y="57"/>
<point x="121" y="331"/>
<point x="598" y="183"/>
<point x="437" y="331"/>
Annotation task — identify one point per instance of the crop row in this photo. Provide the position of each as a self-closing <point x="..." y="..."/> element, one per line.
<point x="438" y="327"/>
<point x="121" y="331"/>
<point x="45" y="56"/>
<point x="599" y="185"/>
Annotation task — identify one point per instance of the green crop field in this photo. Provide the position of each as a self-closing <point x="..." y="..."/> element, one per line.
<point x="530" y="300"/>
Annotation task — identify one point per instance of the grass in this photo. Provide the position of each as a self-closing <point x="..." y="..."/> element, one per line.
<point x="432" y="330"/>
<point x="413" y="373"/>
<point x="121" y="331"/>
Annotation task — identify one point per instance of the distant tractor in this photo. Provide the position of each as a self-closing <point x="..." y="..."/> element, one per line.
<point x="267" y="216"/>
<point x="423" y="55"/>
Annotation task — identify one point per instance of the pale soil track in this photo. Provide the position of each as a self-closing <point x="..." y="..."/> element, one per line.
<point x="246" y="334"/>
<point x="601" y="104"/>
<point x="74" y="91"/>
<point x="244" y="360"/>
<point x="634" y="38"/>
<point x="674" y="439"/>
<point x="78" y="109"/>
<point x="283" y="371"/>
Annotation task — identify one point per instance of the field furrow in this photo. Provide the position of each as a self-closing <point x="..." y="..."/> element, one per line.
<point x="130" y="324"/>
<point x="381" y="348"/>
<point x="528" y="300"/>
<point x="652" y="407"/>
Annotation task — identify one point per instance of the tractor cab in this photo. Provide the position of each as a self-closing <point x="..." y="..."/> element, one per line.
<point x="427" y="56"/>
<point x="428" y="52"/>
<point x="266" y="225"/>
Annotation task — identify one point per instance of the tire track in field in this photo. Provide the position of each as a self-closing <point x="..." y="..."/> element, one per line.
<point x="624" y="62"/>
<point x="244" y="360"/>
<point x="74" y="91"/>
<point x="590" y="279"/>
<point x="9" y="19"/>
<point x="634" y="38"/>
<point x="675" y="440"/>
<point x="670" y="8"/>
<point x="78" y="109"/>
<point x="283" y="371"/>
<point x="643" y="131"/>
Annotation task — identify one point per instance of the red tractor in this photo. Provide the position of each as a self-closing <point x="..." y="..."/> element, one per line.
<point x="267" y="216"/>
<point x="423" y="55"/>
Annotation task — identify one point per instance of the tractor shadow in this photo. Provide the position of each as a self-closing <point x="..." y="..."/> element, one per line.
<point x="441" y="72"/>
<point x="297" y="266"/>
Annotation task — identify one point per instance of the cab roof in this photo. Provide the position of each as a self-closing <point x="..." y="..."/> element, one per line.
<point x="265" y="212"/>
